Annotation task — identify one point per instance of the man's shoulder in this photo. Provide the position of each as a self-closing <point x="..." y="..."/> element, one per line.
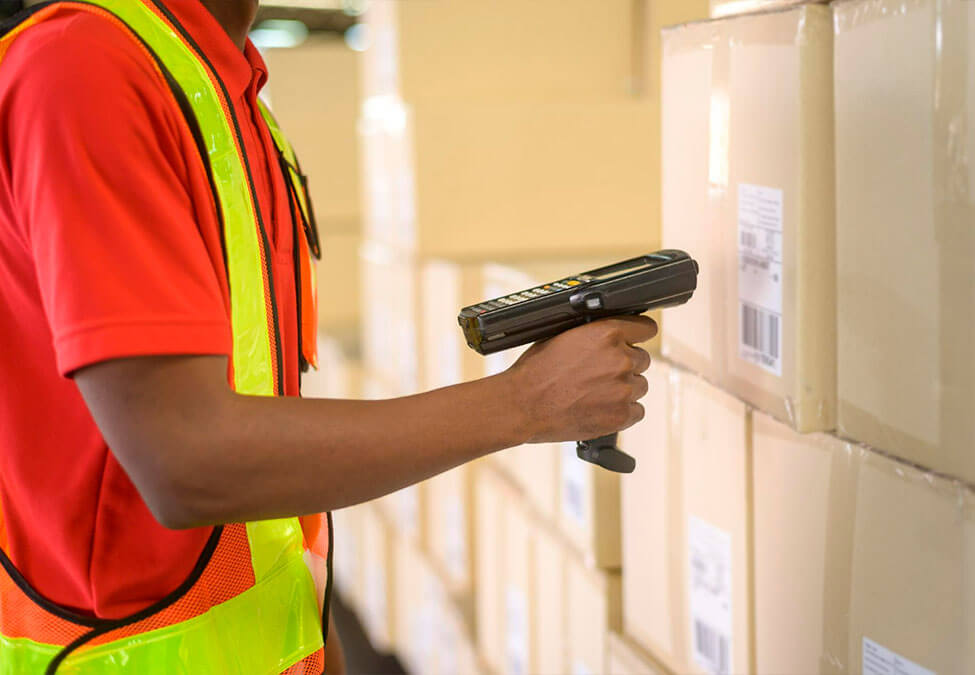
<point x="78" y="45"/>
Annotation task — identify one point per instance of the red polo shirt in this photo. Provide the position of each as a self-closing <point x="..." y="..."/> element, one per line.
<point x="109" y="247"/>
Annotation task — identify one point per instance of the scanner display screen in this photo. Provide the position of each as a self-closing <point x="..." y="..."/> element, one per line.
<point x="612" y="271"/>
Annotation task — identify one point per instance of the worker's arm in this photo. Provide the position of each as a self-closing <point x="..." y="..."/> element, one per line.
<point x="201" y="454"/>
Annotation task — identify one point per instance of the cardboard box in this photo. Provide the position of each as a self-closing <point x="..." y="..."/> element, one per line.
<point x="455" y="651"/>
<point x="723" y="8"/>
<point x="499" y="180"/>
<point x="756" y="196"/>
<point x="626" y="658"/>
<point x="378" y="580"/>
<point x="545" y="50"/>
<point x="403" y="509"/>
<point x="804" y="509"/>
<point x="348" y="557"/>
<point x="339" y="284"/>
<point x="386" y="157"/>
<point x="491" y="495"/>
<point x="519" y="590"/>
<point x="589" y="508"/>
<point x="534" y="596"/>
<point x="549" y="582"/>
<point x="450" y="526"/>
<point x="339" y="375"/>
<point x="906" y="301"/>
<point x="912" y="572"/>
<point x="314" y="91"/>
<point x="592" y="611"/>
<point x="448" y="286"/>
<point x="716" y="482"/>
<point x="419" y="598"/>
<point x="653" y="524"/>
<point x="390" y="319"/>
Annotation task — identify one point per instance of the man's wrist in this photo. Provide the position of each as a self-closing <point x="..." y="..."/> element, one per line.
<point x="518" y="422"/>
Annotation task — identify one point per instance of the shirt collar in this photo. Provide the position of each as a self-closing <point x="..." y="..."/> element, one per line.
<point x="239" y="70"/>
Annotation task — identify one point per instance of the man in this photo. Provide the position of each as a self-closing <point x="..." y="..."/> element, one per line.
<point x="152" y="265"/>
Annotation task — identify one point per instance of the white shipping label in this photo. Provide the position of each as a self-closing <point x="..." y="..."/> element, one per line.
<point x="760" y="276"/>
<point x="455" y="537"/>
<point x="709" y="586"/>
<point x="878" y="660"/>
<point x="516" y="631"/>
<point x="575" y="484"/>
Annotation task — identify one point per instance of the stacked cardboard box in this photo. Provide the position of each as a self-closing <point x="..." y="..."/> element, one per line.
<point x="749" y="545"/>
<point x="314" y="92"/>
<point x="906" y="312"/>
<point x="626" y="658"/>
<point x="748" y="187"/>
<point x="687" y="530"/>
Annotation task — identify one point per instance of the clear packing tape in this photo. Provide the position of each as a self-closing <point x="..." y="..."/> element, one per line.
<point x="905" y="121"/>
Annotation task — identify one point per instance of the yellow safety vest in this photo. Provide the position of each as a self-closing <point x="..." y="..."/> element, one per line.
<point x="250" y="606"/>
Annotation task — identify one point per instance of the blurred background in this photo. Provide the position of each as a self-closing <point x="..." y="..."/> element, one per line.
<point x="803" y="497"/>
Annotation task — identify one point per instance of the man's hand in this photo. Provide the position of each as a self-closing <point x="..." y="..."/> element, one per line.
<point x="585" y="382"/>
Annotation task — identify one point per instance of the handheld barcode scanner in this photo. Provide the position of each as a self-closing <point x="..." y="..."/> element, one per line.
<point x="657" y="280"/>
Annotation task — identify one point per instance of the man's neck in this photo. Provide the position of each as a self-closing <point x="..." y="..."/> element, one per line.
<point x="236" y="17"/>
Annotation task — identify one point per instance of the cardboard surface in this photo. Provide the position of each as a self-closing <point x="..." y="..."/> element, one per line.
<point x="490" y="494"/>
<point x="446" y="287"/>
<point x="378" y="580"/>
<point x="339" y="283"/>
<point x="519" y="599"/>
<point x="905" y="197"/>
<point x="500" y="180"/>
<point x="545" y="50"/>
<point x="589" y="508"/>
<point x="626" y="658"/>
<point x="390" y="319"/>
<point x="804" y="513"/>
<point x="912" y="569"/>
<point x="314" y="91"/>
<point x="348" y="559"/>
<point x="652" y="512"/>
<point x="592" y="609"/>
<point x="716" y="481"/>
<point x="449" y="514"/>
<point x="748" y="178"/>
<point x="549" y="580"/>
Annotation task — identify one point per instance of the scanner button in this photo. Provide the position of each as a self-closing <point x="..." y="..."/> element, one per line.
<point x="594" y="302"/>
<point x="573" y="282"/>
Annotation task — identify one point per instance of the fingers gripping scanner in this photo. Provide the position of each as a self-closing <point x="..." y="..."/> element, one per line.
<point x="656" y="280"/>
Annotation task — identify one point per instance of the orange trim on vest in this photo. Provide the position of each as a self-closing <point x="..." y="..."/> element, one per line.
<point x="314" y="664"/>
<point x="309" y="301"/>
<point x="227" y="575"/>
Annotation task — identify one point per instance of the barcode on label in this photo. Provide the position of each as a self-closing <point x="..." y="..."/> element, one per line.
<point x="760" y="331"/>
<point x="711" y="647"/>
<point x="748" y="239"/>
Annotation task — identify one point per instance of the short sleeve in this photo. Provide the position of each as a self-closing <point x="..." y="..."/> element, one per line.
<point x="111" y="202"/>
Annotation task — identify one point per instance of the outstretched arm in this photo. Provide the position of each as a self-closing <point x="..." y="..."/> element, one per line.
<point x="201" y="454"/>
